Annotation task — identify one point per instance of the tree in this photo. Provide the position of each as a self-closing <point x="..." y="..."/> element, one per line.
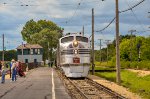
<point x="145" y="48"/>
<point x="125" y="49"/>
<point x="9" y="55"/>
<point x="45" y="33"/>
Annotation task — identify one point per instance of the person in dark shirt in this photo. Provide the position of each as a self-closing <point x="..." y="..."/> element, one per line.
<point x="0" y="65"/>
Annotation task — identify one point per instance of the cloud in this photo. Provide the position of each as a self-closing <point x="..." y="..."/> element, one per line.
<point x="72" y="15"/>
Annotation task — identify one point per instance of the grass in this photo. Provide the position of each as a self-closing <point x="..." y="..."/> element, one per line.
<point x="139" y="85"/>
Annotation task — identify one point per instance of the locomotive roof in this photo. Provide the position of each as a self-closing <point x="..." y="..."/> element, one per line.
<point x="73" y="35"/>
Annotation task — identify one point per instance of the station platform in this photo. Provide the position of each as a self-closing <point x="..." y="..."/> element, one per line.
<point x="39" y="83"/>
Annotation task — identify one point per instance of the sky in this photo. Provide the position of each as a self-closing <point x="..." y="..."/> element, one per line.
<point x="72" y="15"/>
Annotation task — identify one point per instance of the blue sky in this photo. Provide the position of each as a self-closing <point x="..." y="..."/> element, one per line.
<point x="72" y="15"/>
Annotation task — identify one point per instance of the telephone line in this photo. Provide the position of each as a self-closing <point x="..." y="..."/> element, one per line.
<point x="130" y="8"/>
<point x="120" y="12"/>
<point x="107" y="25"/>
<point x="73" y="13"/>
<point x="134" y="15"/>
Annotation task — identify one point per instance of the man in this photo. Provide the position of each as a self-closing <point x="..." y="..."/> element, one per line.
<point x="13" y="69"/>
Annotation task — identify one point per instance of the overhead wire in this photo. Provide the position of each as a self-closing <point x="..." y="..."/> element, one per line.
<point x="135" y="14"/>
<point x="9" y="4"/>
<point x="130" y="8"/>
<point x="79" y="4"/>
<point x="107" y="25"/>
<point x="87" y="2"/>
<point x="73" y="13"/>
<point x="141" y="31"/>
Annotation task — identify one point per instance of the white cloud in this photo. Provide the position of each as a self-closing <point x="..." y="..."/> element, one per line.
<point x="14" y="14"/>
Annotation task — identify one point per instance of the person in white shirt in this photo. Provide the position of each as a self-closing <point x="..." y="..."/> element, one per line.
<point x="14" y="70"/>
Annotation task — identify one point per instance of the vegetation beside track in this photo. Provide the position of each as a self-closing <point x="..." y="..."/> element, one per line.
<point x="131" y="80"/>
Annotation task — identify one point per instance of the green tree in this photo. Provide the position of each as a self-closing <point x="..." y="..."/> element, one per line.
<point x="125" y="49"/>
<point x="44" y="33"/>
<point x="145" y="48"/>
<point x="9" y="55"/>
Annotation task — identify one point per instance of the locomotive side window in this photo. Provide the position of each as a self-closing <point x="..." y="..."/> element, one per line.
<point x="82" y="39"/>
<point x="67" y="39"/>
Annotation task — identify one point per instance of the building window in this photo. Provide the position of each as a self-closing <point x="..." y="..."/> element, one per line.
<point x="31" y="51"/>
<point x="28" y="51"/>
<point x="38" y="51"/>
<point x="19" y="51"/>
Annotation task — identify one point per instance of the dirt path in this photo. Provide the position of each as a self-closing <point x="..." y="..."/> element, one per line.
<point x="140" y="72"/>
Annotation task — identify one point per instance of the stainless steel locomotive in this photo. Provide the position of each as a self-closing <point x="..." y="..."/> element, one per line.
<point x="73" y="55"/>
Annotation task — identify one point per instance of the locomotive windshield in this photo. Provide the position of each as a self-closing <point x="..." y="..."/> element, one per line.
<point x="67" y="39"/>
<point x="82" y="39"/>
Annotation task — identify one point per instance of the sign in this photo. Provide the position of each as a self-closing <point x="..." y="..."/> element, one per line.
<point x="76" y="60"/>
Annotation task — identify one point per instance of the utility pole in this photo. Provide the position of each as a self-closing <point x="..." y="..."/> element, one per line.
<point x="149" y="15"/>
<point x="48" y="51"/>
<point x="100" y="49"/>
<point x="22" y="53"/>
<point x="118" y="77"/>
<point x="139" y="53"/>
<point x="3" y="48"/>
<point x="93" y="65"/>
<point x="131" y="44"/>
<point x="107" y="42"/>
<point x="83" y="31"/>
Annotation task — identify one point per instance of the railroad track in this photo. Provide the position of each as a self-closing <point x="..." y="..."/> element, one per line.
<point x="87" y="89"/>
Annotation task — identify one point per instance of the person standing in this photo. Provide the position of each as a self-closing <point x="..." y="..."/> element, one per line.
<point x="17" y="67"/>
<point x="0" y="66"/>
<point x="3" y="73"/>
<point x="14" y="71"/>
<point x="20" y="70"/>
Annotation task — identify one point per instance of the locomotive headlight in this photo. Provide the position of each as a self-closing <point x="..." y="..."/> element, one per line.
<point x="75" y="43"/>
<point x="76" y="51"/>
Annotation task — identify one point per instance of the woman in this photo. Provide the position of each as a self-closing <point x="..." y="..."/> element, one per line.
<point x="3" y="72"/>
<point x="20" y="71"/>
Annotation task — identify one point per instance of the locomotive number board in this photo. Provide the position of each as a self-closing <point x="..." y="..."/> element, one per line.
<point x="76" y="60"/>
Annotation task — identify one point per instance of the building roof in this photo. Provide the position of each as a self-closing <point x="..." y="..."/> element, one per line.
<point x="28" y="46"/>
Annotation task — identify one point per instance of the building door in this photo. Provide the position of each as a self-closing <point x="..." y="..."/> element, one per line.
<point x="35" y="60"/>
<point x="26" y="60"/>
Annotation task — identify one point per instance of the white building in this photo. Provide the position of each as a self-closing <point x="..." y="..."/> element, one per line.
<point x="28" y="53"/>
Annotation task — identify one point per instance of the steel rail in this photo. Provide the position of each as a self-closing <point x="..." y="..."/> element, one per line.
<point x="94" y="84"/>
<point x="81" y="93"/>
<point x="107" y="90"/>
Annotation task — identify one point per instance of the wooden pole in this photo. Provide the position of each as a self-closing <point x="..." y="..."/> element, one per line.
<point x="118" y="77"/>
<point x="3" y="49"/>
<point x="93" y="65"/>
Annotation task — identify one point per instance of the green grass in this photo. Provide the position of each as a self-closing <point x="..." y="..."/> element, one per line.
<point x="101" y="68"/>
<point x="139" y="85"/>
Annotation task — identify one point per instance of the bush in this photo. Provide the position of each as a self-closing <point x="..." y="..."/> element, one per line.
<point x="144" y="65"/>
<point x="125" y="64"/>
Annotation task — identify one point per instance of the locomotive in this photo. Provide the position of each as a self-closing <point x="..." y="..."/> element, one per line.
<point x="73" y="55"/>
